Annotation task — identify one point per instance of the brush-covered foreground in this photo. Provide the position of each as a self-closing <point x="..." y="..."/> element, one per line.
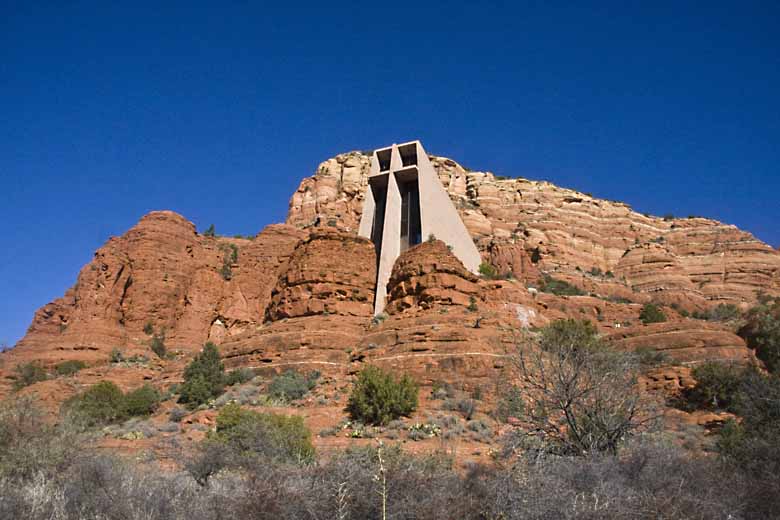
<point x="243" y="471"/>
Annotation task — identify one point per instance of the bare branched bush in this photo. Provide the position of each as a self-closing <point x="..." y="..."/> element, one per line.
<point x="584" y="395"/>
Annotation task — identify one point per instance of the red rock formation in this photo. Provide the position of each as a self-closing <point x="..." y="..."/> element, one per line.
<point x="301" y="295"/>
<point x="322" y="302"/>
<point x="694" y="262"/>
<point x="332" y="272"/>
<point x="428" y="274"/>
<point x="163" y="274"/>
<point x="687" y="341"/>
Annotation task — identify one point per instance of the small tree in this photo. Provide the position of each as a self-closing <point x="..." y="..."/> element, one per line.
<point x="717" y="385"/>
<point x="378" y="397"/>
<point x="762" y="333"/>
<point x="204" y="377"/>
<point x="210" y="231"/>
<point x="510" y="404"/>
<point x="584" y="396"/>
<point x="652" y="313"/>
<point x="488" y="271"/>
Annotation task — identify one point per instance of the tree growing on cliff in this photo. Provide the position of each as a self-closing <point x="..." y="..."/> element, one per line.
<point x="204" y="377"/>
<point x="652" y="313"/>
<point x="762" y="333"/>
<point x="583" y="396"/>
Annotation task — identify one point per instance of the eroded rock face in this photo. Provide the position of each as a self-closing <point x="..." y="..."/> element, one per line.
<point x="687" y="341"/>
<point x="694" y="262"/>
<point x="332" y="272"/>
<point x="429" y="274"/>
<point x="161" y="275"/>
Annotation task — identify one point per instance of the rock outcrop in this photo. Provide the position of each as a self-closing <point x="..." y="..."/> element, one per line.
<point x="163" y="278"/>
<point x="430" y="274"/>
<point x="694" y="262"/>
<point x="331" y="272"/>
<point x="687" y="341"/>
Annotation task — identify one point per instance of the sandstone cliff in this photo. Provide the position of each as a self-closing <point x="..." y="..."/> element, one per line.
<point x="694" y="262"/>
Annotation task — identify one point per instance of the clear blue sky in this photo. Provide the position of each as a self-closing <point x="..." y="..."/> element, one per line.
<point x="215" y="112"/>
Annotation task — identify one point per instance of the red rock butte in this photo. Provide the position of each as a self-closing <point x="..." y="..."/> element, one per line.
<point x="301" y="294"/>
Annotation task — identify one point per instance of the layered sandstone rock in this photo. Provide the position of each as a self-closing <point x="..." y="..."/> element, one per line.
<point x="430" y="274"/>
<point x="164" y="276"/>
<point x="321" y="304"/>
<point x="695" y="262"/>
<point x="686" y="341"/>
<point x="331" y="272"/>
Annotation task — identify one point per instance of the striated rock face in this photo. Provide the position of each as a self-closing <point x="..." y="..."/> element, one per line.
<point x="331" y="272"/>
<point x="161" y="274"/>
<point x="429" y="274"/>
<point x="334" y="193"/>
<point x="695" y="262"/>
<point x="688" y="341"/>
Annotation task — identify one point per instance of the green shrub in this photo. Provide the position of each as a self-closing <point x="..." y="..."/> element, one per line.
<point x="197" y="391"/>
<point x="229" y="257"/>
<point x="291" y="385"/>
<point x="378" y="397"/>
<point x="158" y="346"/>
<point x="472" y="306"/>
<point x="488" y="271"/>
<point x="239" y="376"/>
<point x="28" y="374"/>
<point x="68" y="368"/>
<point x="141" y="401"/>
<point x="549" y="284"/>
<point x="204" y="377"/>
<point x="753" y="444"/>
<point x="99" y="405"/>
<point x="148" y="328"/>
<point x="536" y="256"/>
<point x="652" y="313"/>
<point x="724" y="312"/>
<point x="273" y="436"/>
<point x="716" y="387"/>
<point x="210" y="231"/>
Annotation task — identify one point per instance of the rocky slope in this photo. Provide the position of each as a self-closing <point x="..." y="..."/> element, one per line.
<point x="299" y="295"/>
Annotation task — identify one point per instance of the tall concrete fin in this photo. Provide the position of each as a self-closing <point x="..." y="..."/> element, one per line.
<point x="406" y="203"/>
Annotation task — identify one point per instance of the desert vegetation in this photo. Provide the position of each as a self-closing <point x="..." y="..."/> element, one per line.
<point x="579" y="442"/>
<point x="262" y="466"/>
<point x="378" y="397"/>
